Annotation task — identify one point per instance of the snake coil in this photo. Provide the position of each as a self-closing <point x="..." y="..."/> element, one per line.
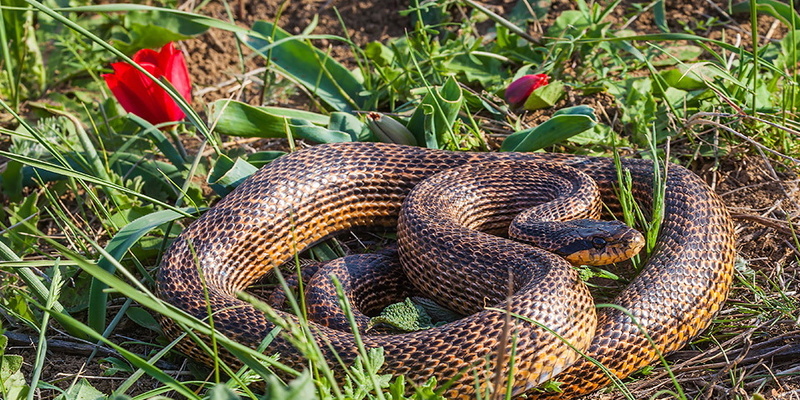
<point x="311" y="194"/>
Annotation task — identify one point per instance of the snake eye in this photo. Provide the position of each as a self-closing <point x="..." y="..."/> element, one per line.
<point x="599" y="242"/>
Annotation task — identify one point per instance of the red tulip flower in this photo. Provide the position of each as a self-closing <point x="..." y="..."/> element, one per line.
<point x="519" y="90"/>
<point x="140" y="95"/>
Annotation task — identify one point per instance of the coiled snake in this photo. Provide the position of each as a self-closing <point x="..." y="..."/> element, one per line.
<point x="311" y="194"/>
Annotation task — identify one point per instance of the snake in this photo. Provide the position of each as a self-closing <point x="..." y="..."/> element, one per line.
<point x="549" y="323"/>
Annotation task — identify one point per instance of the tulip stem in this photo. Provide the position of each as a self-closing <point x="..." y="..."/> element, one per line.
<point x="173" y="133"/>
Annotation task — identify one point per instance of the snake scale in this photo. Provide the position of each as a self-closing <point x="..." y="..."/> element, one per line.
<point x="306" y="196"/>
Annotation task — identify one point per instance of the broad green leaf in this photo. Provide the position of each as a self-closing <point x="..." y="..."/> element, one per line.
<point x="153" y="29"/>
<point x="147" y="36"/>
<point x="434" y="117"/>
<point x="521" y="13"/>
<point x="143" y="318"/>
<point x="222" y="392"/>
<point x="350" y="124"/>
<point x="240" y="119"/>
<point x="262" y="158"/>
<point x="317" y="71"/>
<point x="82" y="390"/>
<point x="11" y="181"/>
<point x="483" y="70"/>
<point x="777" y="9"/>
<point x="564" y="124"/>
<point x="306" y="130"/>
<point x="21" y="237"/>
<point x="228" y="174"/>
<point x="694" y="76"/>
<point x="12" y="382"/>
<point x="199" y="19"/>
<point x="314" y="118"/>
<point x="301" y="387"/>
<point x="545" y="96"/>
<point x="568" y="21"/>
<point x="379" y="53"/>
<point x="235" y="118"/>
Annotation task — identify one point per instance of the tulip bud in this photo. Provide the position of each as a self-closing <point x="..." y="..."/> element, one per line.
<point x="389" y="130"/>
<point x="141" y="96"/>
<point x="519" y="90"/>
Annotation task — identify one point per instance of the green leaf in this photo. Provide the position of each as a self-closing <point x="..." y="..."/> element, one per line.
<point x="660" y="16"/>
<point x="545" y="96"/>
<point x="12" y="382"/>
<point x="21" y="237"/>
<point x="306" y="130"/>
<point x="692" y="76"/>
<point x="117" y="365"/>
<point x="405" y="316"/>
<point x="240" y="119"/>
<point x="222" y="392"/>
<point x="143" y="318"/>
<point x="82" y="390"/>
<point x="480" y="69"/>
<point x="314" y="118"/>
<point x="147" y="37"/>
<point x="301" y="387"/>
<point x="11" y="181"/>
<point x="262" y="158"/>
<point x="379" y="53"/>
<point x="521" y="13"/>
<point x="564" y="124"/>
<point x="227" y="174"/>
<point x="434" y="117"/>
<point x="350" y="124"/>
<point x="296" y="58"/>
<point x="777" y="9"/>
<point x="153" y="29"/>
<point x="572" y="21"/>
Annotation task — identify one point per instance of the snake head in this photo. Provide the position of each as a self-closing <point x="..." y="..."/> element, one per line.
<point x="596" y="242"/>
<point x="583" y="241"/>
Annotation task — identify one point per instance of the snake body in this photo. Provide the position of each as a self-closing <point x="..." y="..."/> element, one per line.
<point x="311" y="194"/>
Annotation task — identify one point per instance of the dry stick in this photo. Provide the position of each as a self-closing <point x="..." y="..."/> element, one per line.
<point x="762" y="381"/>
<point x="784" y="227"/>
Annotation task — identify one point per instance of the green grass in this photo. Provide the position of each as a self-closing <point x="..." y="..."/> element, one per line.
<point x="92" y="196"/>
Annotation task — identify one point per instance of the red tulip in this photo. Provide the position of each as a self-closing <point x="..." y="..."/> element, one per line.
<point x="139" y="95"/>
<point x="519" y="90"/>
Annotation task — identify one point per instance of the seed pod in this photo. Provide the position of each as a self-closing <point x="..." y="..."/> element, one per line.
<point x="389" y="130"/>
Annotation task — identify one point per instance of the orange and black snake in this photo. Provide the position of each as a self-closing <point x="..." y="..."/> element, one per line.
<point x="309" y="195"/>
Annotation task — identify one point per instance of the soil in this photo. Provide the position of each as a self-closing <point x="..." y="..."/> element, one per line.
<point x="761" y="194"/>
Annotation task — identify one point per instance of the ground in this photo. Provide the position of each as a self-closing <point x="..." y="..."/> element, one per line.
<point x="761" y="194"/>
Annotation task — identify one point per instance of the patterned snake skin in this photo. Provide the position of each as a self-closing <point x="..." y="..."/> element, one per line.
<point x="311" y="194"/>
